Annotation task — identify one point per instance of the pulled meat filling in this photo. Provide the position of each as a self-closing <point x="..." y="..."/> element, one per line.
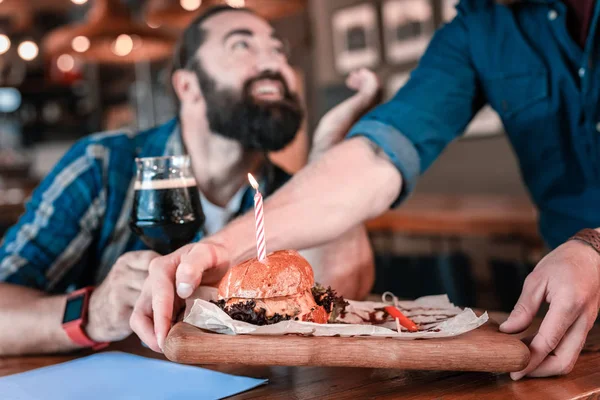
<point x="276" y="309"/>
<point x="248" y="312"/>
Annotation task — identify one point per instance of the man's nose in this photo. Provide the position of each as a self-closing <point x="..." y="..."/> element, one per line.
<point x="268" y="61"/>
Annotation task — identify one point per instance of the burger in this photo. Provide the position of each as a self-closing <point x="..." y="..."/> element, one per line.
<point x="282" y="287"/>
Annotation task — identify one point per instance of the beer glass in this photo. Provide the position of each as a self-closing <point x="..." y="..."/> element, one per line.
<point x="166" y="212"/>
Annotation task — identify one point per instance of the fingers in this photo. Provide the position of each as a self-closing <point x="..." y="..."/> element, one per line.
<point x="554" y="326"/>
<point x="135" y="279"/>
<point x="363" y="80"/>
<point x="141" y="319"/>
<point x="192" y="266"/>
<point x="140" y="260"/>
<point x="354" y="80"/>
<point x="527" y="306"/>
<point x="162" y="273"/>
<point x="566" y="353"/>
<point x="130" y="296"/>
<point x="153" y="313"/>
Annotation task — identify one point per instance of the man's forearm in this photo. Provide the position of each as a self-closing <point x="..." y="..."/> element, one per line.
<point x="334" y="125"/>
<point x="349" y="185"/>
<point x="30" y="322"/>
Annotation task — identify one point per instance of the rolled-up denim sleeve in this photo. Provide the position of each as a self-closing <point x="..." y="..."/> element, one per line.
<point x="433" y="108"/>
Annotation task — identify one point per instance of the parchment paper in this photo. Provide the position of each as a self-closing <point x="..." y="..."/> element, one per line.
<point x="435" y="316"/>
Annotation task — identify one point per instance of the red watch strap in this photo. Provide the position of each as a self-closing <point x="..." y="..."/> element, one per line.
<point x="78" y="336"/>
<point x="74" y="329"/>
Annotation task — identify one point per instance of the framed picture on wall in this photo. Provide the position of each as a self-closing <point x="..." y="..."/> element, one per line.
<point x="408" y="26"/>
<point x="394" y="83"/>
<point x="355" y="38"/>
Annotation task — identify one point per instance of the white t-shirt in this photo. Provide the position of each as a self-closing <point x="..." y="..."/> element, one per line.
<point x="217" y="217"/>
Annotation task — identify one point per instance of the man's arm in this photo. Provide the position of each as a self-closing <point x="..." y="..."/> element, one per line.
<point x="42" y="247"/>
<point x="336" y="123"/>
<point x="30" y="322"/>
<point x="353" y="182"/>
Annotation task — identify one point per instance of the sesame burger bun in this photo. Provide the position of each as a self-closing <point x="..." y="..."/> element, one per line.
<point x="283" y="273"/>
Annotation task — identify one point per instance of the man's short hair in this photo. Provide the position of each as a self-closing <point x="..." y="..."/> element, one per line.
<point x="194" y="36"/>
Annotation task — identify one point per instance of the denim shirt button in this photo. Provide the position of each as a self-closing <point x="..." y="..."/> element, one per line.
<point x="552" y="15"/>
<point x="598" y="127"/>
<point x="581" y="72"/>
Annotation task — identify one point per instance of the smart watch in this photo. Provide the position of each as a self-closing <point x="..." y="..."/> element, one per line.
<point x="75" y="318"/>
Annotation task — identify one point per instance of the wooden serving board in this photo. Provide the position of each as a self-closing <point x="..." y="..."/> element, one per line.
<point x="484" y="349"/>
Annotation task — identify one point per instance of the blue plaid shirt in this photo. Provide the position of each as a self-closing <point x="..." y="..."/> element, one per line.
<point x="76" y="224"/>
<point x="545" y="87"/>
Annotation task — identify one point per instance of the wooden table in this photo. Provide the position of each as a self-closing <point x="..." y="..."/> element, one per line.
<point x="469" y="215"/>
<point x="359" y="383"/>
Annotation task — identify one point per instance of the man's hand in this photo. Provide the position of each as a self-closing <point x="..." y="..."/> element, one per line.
<point x="366" y="83"/>
<point x="111" y="304"/>
<point x="334" y="125"/>
<point x="160" y="301"/>
<point x="569" y="279"/>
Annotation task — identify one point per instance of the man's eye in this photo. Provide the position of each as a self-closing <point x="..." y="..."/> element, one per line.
<point x="241" y="45"/>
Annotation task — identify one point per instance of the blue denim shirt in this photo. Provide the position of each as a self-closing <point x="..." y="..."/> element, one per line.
<point x="76" y="224"/>
<point x="545" y="87"/>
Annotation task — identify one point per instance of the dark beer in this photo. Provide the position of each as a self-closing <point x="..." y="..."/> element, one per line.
<point x="166" y="214"/>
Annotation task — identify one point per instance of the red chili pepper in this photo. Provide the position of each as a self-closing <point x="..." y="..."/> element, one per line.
<point x="404" y="321"/>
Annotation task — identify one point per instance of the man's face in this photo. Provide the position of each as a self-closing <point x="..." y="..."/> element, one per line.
<point x="248" y="86"/>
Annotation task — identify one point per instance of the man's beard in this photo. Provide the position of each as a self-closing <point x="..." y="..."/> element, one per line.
<point x="257" y="125"/>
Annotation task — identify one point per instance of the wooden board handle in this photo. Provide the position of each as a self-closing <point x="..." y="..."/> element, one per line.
<point x="484" y="349"/>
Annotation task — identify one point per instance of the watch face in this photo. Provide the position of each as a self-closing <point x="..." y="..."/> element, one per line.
<point x="74" y="308"/>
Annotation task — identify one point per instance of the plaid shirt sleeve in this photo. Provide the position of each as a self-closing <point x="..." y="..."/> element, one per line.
<point x="60" y="220"/>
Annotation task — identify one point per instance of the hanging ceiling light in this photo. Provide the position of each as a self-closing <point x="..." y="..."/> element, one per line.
<point x="175" y="14"/>
<point x="80" y="44"/>
<point x="19" y="17"/>
<point x="106" y="37"/>
<point x="178" y="14"/>
<point x="123" y="45"/>
<point x="65" y="62"/>
<point x="20" y="13"/>
<point x="274" y="9"/>
<point x="237" y="3"/>
<point x="28" y="50"/>
<point x="190" y="5"/>
<point x="4" y="43"/>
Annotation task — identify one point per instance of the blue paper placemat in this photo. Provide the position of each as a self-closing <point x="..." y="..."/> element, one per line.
<point x="116" y="375"/>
